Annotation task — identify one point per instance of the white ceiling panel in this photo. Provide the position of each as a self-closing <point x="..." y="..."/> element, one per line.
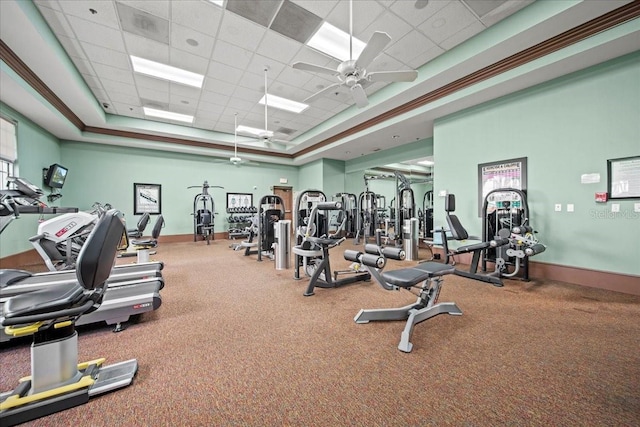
<point x="57" y="21"/>
<point x="320" y="8"/>
<point x="278" y="47"/>
<point x="410" y="46"/>
<point x="224" y="72"/>
<point x="72" y="47"/>
<point x="96" y="11"/>
<point x="364" y="13"/>
<point x="102" y="55"/>
<point x="390" y="23"/>
<point x="188" y="61"/>
<point x="447" y="22"/>
<point x="462" y="35"/>
<point x="232" y="55"/>
<point x="189" y="40"/>
<point x="159" y="8"/>
<point x="241" y="32"/>
<point x="151" y="83"/>
<point x="201" y="16"/>
<point x="112" y="73"/>
<point x="414" y="16"/>
<point x="146" y="48"/>
<point x="99" y="35"/>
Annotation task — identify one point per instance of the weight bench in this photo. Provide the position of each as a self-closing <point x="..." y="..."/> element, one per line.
<point x="427" y="306"/>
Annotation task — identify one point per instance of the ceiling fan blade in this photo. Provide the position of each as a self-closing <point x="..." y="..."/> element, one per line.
<point x="376" y="44"/>
<point x="359" y="96"/>
<point x="321" y="93"/>
<point x="314" y="68"/>
<point x="393" y="76"/>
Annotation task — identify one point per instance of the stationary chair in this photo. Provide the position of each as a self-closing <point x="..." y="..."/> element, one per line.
<point x="57" y="381"/>
<point x="138" y="232"/>
<point x="143" y="246"/>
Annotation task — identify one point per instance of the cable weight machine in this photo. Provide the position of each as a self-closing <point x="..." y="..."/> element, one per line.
<point x="204" y="213"/>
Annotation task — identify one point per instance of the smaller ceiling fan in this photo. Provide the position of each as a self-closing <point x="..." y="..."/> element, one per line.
<point x="352" y="73"/>
<point x="235" y="159"/>
<point x="264" y="136"/>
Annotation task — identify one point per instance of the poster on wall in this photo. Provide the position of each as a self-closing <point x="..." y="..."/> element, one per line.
<point x="623" y="176"/>
<point x="147" y="198"/>
<point x="510" y="173"/>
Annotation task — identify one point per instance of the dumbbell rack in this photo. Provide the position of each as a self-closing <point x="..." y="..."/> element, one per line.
<point x="239" y="219"/>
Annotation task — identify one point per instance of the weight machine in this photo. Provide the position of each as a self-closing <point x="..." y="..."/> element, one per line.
<point x="203" y="213"/>
<point x="427" y="214"/>
<point x="505" y="213"/>
<point x="271" y="210"/>
<point x="350" y="208"/>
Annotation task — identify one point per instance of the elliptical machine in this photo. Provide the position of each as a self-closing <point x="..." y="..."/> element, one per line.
<point x="203" y="213"/>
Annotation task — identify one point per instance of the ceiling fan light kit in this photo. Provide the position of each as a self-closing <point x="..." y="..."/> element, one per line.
<point x="352" y="73"/>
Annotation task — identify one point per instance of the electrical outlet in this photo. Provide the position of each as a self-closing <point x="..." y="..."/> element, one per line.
<point x="615" y="207"/>
<point x="558" y="207"/>
<point x="442" y="193"/>
<point x="569" y="207"/>
<point x="636" y="207"/>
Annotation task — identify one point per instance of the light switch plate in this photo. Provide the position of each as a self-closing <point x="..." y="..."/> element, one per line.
<point x="558" y="207"/>
<point x="615" y="207"/>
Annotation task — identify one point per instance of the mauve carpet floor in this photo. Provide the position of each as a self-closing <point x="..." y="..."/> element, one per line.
<point x="235" y="343"/>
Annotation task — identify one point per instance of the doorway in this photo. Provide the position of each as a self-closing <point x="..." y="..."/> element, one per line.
<point x="286" y="194"/>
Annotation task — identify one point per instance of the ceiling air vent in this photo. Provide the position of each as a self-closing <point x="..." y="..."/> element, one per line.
<point x="138" y="22"/>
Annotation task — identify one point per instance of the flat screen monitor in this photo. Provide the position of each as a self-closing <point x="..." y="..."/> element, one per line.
<point x="56" y="175"/>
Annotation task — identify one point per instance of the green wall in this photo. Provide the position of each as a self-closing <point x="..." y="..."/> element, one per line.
<point x="37" y="149"/>
<point x="106" y="174"/>
<point x="565" y="128"/>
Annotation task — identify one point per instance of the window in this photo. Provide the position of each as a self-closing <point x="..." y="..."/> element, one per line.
<point x="8" y="150"/>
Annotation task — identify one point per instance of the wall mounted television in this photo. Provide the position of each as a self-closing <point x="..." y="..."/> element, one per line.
<point x="55" y="176"/>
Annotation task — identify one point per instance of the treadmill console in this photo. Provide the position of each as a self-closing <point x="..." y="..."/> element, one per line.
<point x="25" y="187"/>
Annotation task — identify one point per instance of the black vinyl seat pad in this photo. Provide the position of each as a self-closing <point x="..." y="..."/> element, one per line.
<point x="51" y="299"/>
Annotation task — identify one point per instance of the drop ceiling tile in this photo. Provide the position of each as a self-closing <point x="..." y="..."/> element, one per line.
<point x="153" y="95"/>
<point x="93" y="82"/>
<point x="127" y="110"/>
<point x="231" y="55"/>
<point x="113" y="86"/>
<point x="57" y="22"/>
<point x="483" y="7"/>
<point x="364" y="13"/>
<point x="327" y="103"/>
<point x="253" y="81"/>
<point x="218" y="86"/>
<point x="410" y="46"/>
<point x="105" y="12"/>
<point x="182" y="105"/>
<point x="204" y="122"/>
<point x="146" y="48"/>
<point x="247" y="94"/>
<point x="210" y="109"/>
<point x="447" y="21"/>
<point x="191" y="41"/>
<point x="187" y="92"/>
<point x="130" y="98"/>
<point x="102" y="55"/>
<point x="384" y="62"/>
<point x="390" y="23"/>
<point x="284" y="90"/>
<point x="223" y="72"/>
<point x="297" y="78"/>
<point x="241" y="32"/>
<point x="136" y="21"/>
<point x="319" y="8"/>
<point x="295" y="22"/>
<point x="159" y="8"/>
<point x="72" y="47"/>
<point x="407" y="10"/>
<point x="188" y="61"/>
<point x="462" y="35"/>
<point x="151" y="83"/>
<point x="214" y="98"/>
<point x="113" y="73"/>
<point x="258" y="63"/>
<point x="99" y="35"/>
<point x="240" y="104"/>
<point x="202" y="16"/>
<point x="278" y="47"/>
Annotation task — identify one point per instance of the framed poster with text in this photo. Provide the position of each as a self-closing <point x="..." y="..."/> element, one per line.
<point x="147" y="198"/>
<point x="623" y="178"/>
<point x="510" y="173"/>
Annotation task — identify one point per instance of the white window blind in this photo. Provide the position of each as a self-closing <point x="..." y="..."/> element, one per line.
<point x="8" y="144"/>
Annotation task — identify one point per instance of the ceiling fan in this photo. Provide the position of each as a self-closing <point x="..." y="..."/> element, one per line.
<point x="264" y="136"/>
<point x="235" y="159"/>
<point x="352" y="73"/>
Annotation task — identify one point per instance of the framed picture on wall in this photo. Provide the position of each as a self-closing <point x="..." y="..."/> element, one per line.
<point x="623" y="178"/>
<point x="510" y="173"/>
<point x="147" y="198"/>
<point x="239" y="200"/>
